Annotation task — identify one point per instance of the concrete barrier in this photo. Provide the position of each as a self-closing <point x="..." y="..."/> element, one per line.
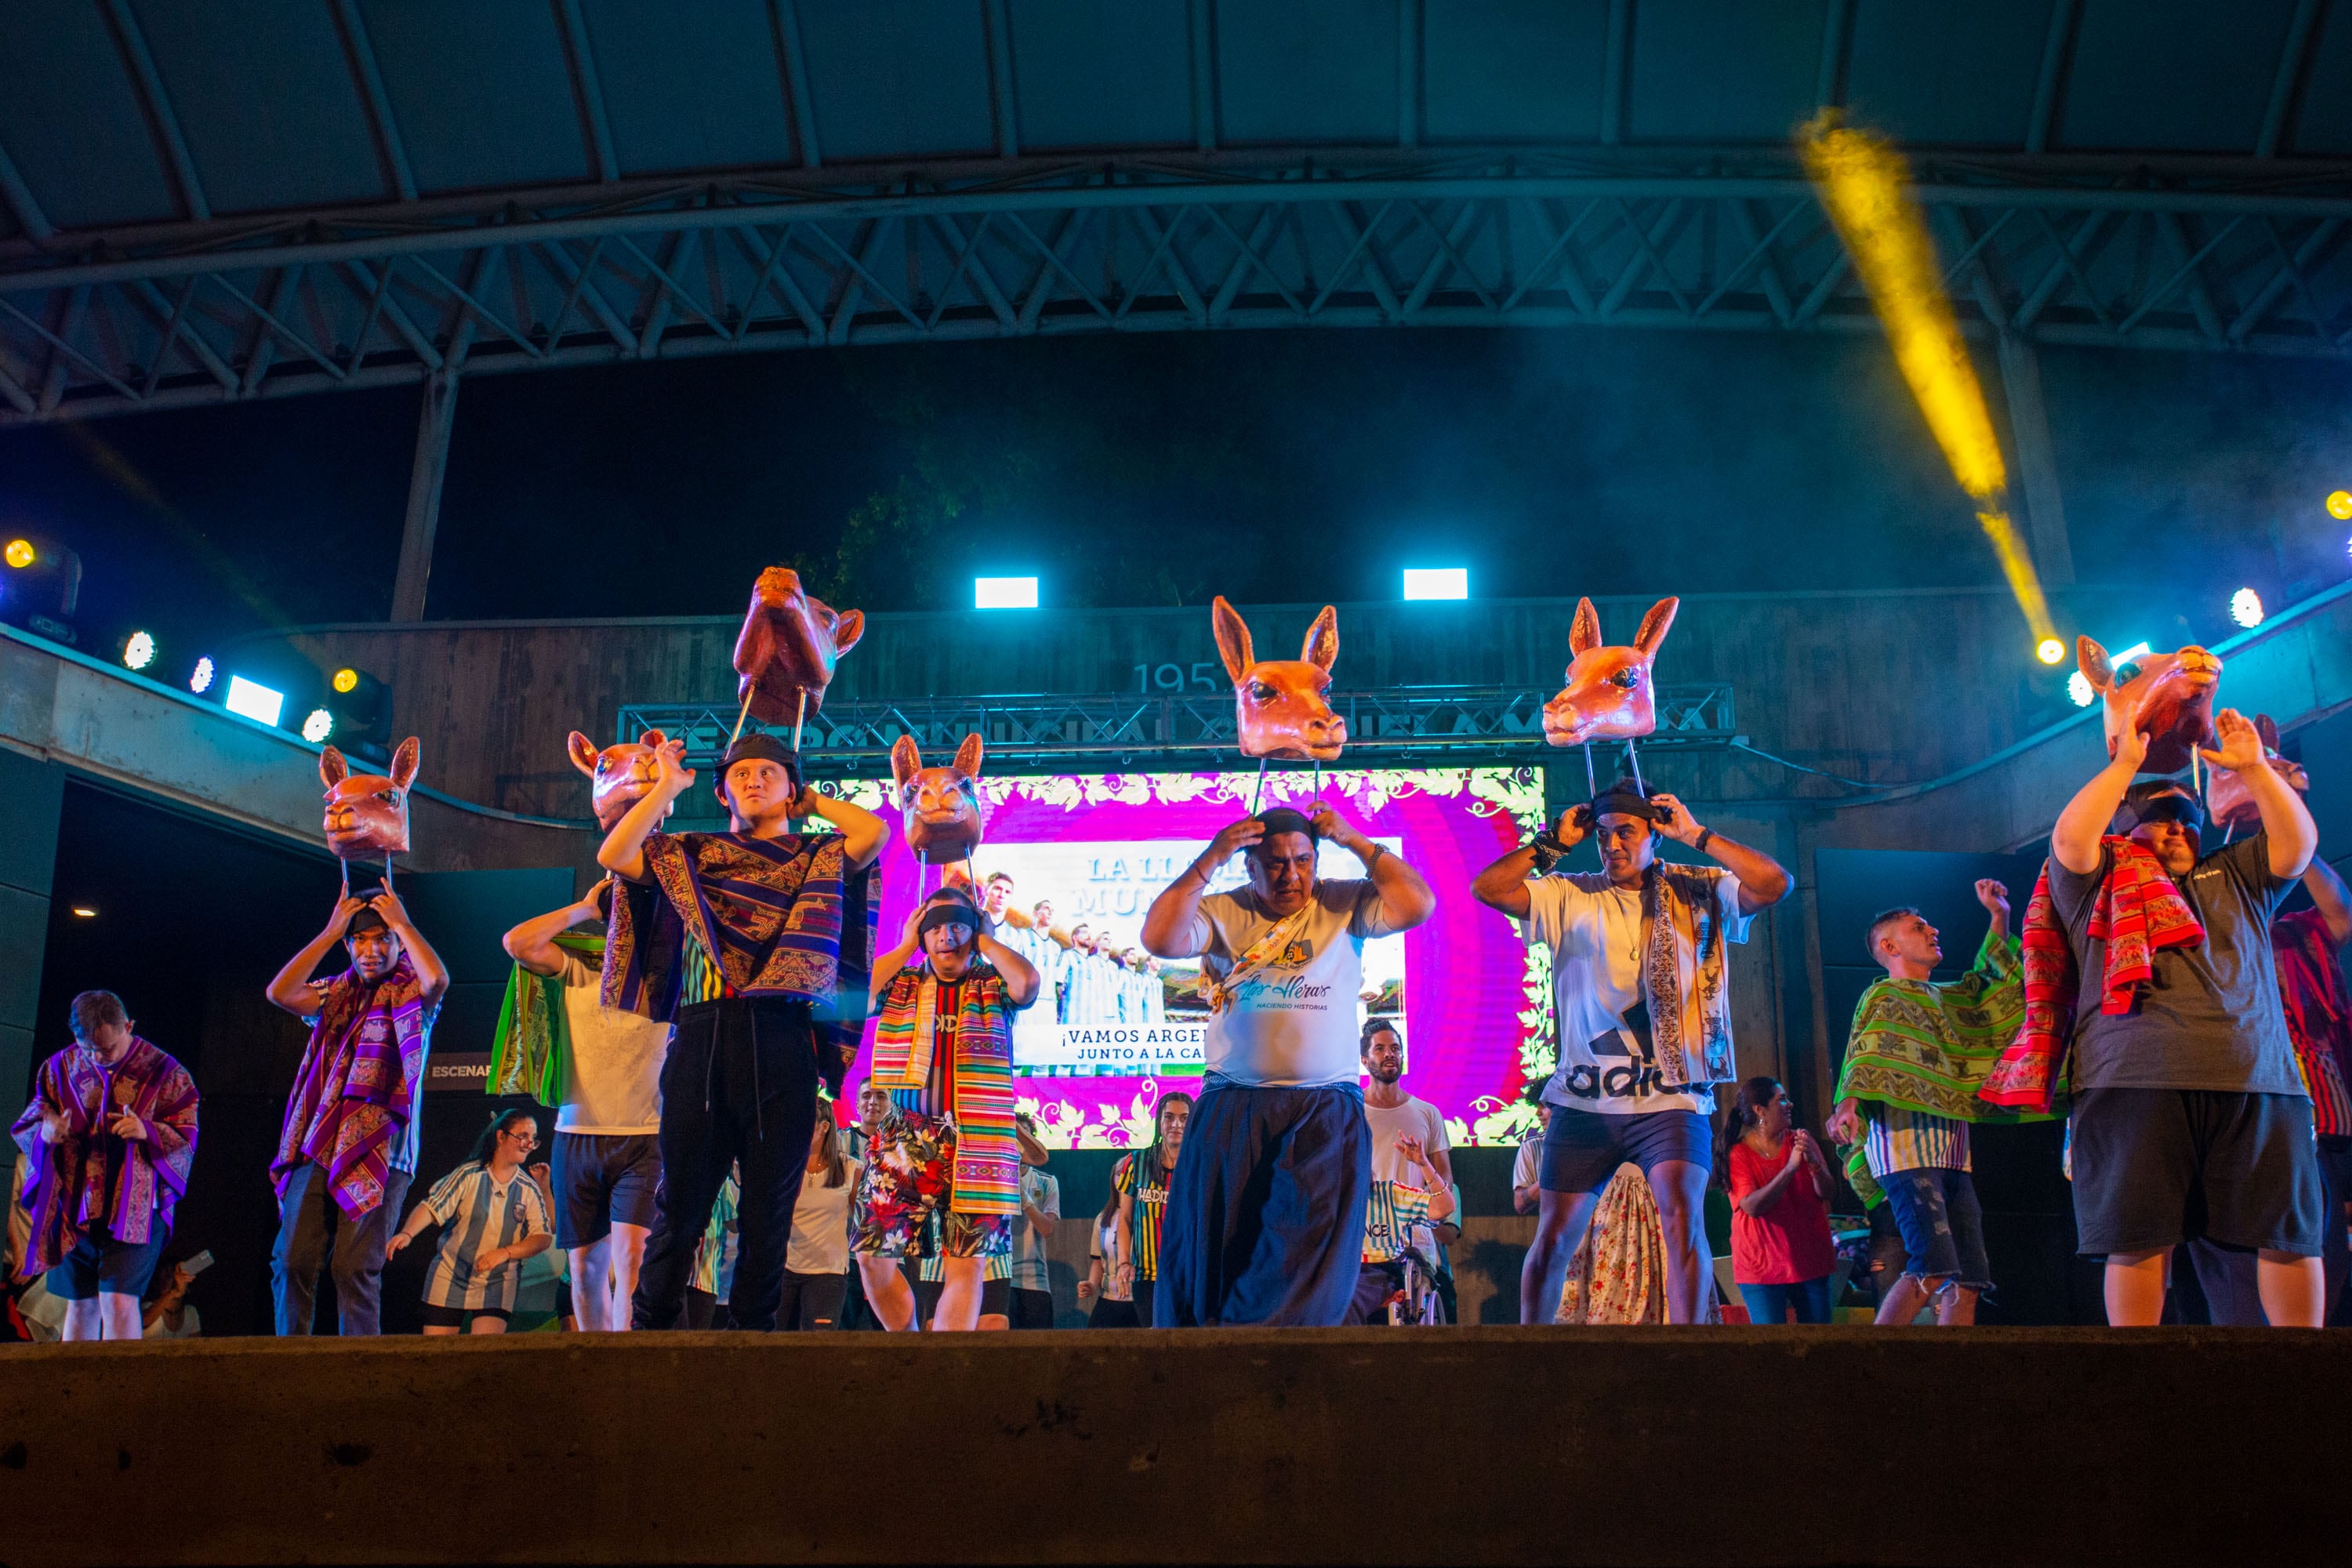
<point x="1467" y="1446"/>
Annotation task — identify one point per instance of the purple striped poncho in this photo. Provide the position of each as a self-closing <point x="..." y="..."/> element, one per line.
<point x="780" y="917"/>
<point x="91" y="1176"/>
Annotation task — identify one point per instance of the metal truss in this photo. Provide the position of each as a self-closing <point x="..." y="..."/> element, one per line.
<point x="2106" y="256"/>
<point x="1410" y="726"/>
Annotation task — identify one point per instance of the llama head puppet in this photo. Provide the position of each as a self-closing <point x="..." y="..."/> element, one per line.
<point x="2167" y="697"/>
<point x="619" y="776"/>
<point x="788" y="648"/>
<point x="942" y="805"/>
<point x="1282" y="706"/>
<point x="1611" y="690"/>
<point x="367" y="814"/>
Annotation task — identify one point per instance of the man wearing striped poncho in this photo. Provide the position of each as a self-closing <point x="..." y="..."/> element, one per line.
<point x="1907" y="1094"/>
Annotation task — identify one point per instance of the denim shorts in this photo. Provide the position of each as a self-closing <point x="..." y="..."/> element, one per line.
<point x="1943" y="1230"/>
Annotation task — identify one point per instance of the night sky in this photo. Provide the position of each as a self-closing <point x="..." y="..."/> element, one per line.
<point x="1156" y="469"/>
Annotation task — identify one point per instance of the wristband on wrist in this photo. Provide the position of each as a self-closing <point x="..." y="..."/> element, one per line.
<point x="1705" y="835"/>
<point x="1548" y="851"/>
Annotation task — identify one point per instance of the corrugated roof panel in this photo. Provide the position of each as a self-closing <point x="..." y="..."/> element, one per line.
<point x="2172" y="75"/>
<point x="906" y="79"/>
<point x="1724" y="70"/>
<point x="264" y="95"/>
<point x="2322" y="116"/>
<point x="481" y="92"/>
<point x="1954" y="73"/>
<point x="72" y="123"/>
<point x="1091" y="75"/>
<point x="1307" y="71"/>
<point x="707" y="96"/>
<point x="1513" y="71"/>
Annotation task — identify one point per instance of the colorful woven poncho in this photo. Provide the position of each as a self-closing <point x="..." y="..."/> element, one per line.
<point x="532" y="1053"/>
<point x="356" y="1086"/>
<point x="784" y="917"/>
<point x="91" y="1177"/>
<point x="1927" y="1045"/>
<point x="987" y="1160"/>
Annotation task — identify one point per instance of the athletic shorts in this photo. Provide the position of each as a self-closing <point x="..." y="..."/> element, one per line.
<point x="1942" y="1225"/>
<point x="2155" y="1167"/>
<point x="909" y="1176"/>
<point x="1582" y="1149"/>
<point x="437" y="1317"/>
<point x="602" y="1178"/>
<point x="104" y="1265"/>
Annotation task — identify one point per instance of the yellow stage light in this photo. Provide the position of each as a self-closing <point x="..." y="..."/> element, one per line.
<point x="2339" y="506"/>
<point x="2051" y="651"/>
<point x="20" y="553"/>
<point x="346" y="681"/>
<point x="1860" y="179"/>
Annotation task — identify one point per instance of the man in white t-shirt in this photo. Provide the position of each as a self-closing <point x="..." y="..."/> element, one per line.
<point x="1389" y="1110"/>
<point x="1265" y="1217"/>
<point x="1641" y="995"/>
<point x="607" y="1130"/>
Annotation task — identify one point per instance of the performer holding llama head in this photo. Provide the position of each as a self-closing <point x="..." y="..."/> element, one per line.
<point x="619" y="776"/>
<point x="367" y="814"/>
<point x="942" y="803"/>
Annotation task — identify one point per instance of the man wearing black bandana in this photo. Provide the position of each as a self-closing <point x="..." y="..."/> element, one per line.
<point x="1643" y="1003"/>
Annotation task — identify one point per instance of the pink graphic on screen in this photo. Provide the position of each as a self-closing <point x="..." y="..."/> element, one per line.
<point x="1101" y="846"/>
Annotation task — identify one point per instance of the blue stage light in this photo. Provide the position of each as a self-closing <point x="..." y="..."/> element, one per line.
<point x="1437" y="582"/>
<point x="200" y="680"/>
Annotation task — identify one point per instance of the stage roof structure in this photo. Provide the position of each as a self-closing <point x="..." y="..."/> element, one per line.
<point x="249" y="198"/>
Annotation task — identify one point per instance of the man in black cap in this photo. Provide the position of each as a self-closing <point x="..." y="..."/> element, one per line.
<point x="2190" y="1119"/>
<point x="1265" y="1221"/>
<point x="1643" y="997"/>
<point x="755" y="943"/>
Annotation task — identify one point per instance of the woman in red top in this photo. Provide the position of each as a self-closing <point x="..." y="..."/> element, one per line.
<point x="1782" y="1254"/>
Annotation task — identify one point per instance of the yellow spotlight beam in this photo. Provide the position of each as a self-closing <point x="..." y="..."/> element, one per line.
<point x="1861" y="179"/>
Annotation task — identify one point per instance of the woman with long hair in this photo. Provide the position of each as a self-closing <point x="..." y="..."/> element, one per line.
<point x="1781" y="1251"/>
<point x="492" y="1216"/>
<point x="817" y="1260"/>
<point x="1140" y="1184"/>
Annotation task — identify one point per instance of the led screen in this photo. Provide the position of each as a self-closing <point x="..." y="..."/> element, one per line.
<point x="1115" y="1031"/>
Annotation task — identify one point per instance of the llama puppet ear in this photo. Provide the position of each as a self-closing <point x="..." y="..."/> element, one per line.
<point x="1654" y="628"/>
<point x="968" y="756"/>
<point x="332" y="769"/>
<point x="1233" y="639"/>
<point x="906" y="760"/>
<point x="1584" y="632"/>
<point x="1321" y="647"/>
<point x="582" y="752"/>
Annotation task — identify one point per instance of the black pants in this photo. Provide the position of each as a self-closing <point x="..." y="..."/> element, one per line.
<point x="1032" y="1308"/>
<point x="739" y="1090"/>
<point x="811" y="1301"/>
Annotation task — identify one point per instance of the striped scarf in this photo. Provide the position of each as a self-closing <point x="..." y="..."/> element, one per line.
<point x="2139" y="912"/>
<point x="1682" y="978"/>
<point x="780" y="917"/>
<point x="987" y="1156"/>
<point x="352" y="1093"/>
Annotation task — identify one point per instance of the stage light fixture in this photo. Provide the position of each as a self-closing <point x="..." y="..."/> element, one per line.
<point x="318" y="726"/>
<point x="346" y="681"/>
<point x="1437" y="581"/>
<point x="200" y="680"/>
<point x="84" y="913"/>
<point x="2246" y="607"/>
<point x="137" y="650"/>
<point x="2078" y="687"/>
<point x="2339" y="506"/>
<point x="253" y="700"/>
<point x="1004" y="592"/>
<point x="2051" y="651"/>
<point x="21" y="553"/>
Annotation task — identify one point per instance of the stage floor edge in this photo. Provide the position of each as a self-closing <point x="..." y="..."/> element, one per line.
<point x="1455" y="1446"/>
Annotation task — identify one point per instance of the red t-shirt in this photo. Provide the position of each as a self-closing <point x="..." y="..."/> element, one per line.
<point x="1789" y="1243"/>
